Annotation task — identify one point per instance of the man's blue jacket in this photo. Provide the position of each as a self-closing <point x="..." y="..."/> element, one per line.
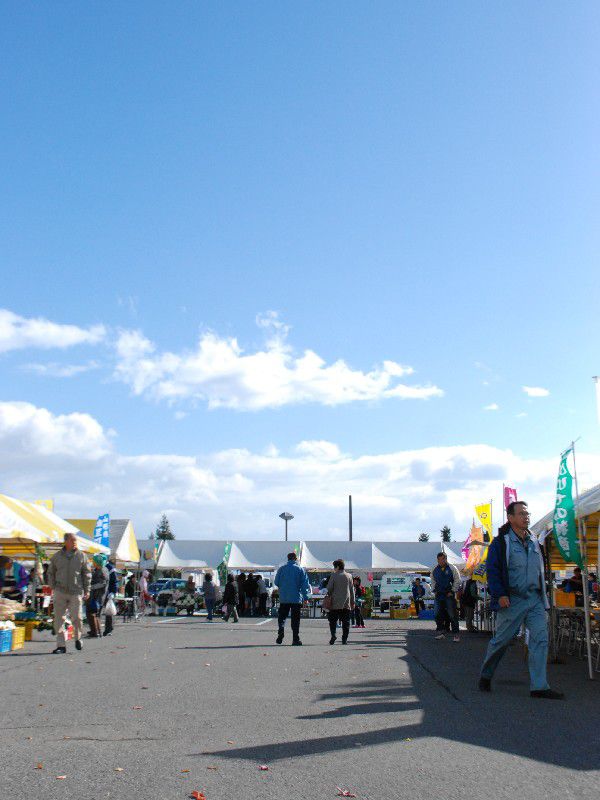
<point x="497" y="568"/>
<point x="292" y="581"/>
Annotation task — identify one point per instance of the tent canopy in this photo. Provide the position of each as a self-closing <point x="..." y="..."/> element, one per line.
<point x="180" y="554"/>
<point x="588" y="511"/>
<point x="123" y="542"/>
<point x="319" y="556"/>
<point x="410" y="556"/>
<point x="23" y="525"/>
<point x="261" y="556"/>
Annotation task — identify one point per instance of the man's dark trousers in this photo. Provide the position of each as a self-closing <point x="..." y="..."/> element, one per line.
<point x="342" y="614"/>
<point x="293" y="609"/>
<point x="446" y="604"/>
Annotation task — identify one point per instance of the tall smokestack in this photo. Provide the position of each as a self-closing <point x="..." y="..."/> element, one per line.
<point x="349" y="517"/>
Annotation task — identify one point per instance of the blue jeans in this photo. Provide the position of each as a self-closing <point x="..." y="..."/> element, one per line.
<point x="210" y="605"/>
<point x="445" y="606"/>
<point x="529" y="610"/>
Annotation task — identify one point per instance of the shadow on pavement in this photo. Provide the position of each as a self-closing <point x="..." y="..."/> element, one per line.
<point x="442" y="676"/>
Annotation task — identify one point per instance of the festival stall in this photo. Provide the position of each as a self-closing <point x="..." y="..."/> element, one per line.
<point x="572" y="629"/>
<point x="31" y="533"/>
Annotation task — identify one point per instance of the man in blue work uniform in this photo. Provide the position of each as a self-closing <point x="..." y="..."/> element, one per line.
<point x="294" y="588"/>
<point x="445" y="582"/>
<point x="515" y="572"/>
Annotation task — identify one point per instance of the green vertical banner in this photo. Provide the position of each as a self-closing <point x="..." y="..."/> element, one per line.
<point x="564" y="526"/>
<point x="222" y="568"/>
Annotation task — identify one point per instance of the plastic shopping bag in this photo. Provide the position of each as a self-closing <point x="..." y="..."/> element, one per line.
<point x="110" y="608"/>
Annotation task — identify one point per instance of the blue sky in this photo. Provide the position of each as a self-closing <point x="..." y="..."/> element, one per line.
<point x="414" y="183"/>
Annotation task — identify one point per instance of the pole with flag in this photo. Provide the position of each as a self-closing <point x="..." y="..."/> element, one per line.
<point x="584" y="569"/>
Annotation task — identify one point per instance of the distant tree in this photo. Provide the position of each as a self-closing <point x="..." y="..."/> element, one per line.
<point x="446" y="534"/>
<point x="163" y="529"/>
<point x="423" y="537"/>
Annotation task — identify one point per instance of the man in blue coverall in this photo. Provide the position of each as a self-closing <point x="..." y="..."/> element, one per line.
<point x="294" y="588"/>
<point x="515" y="572"/>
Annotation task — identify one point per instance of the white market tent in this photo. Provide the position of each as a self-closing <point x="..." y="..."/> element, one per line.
<point x="410" y="556"/>
<point x="181" y="554"/>
<point x="261" y="556"/>
<point x="315" y="556"/>
<point x="319" y="556"/>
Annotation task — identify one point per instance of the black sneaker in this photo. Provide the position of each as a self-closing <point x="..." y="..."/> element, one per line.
<point x="344" y="641"/>
<point x="297" y="643"/>
<point x="78" y="645"/>
<point x="547" y="694"/>
<point x="485" y="684"/>
<point x="279" y="638"/>
<point x="333" y="640"/>
<point x="61" y="650"/>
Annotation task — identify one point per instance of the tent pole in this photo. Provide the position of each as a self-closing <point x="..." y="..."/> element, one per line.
<point x="583" y="551"/>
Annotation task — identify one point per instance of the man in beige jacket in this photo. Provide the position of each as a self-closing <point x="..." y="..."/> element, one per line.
<point x="69" y="577"/>
<point x="341" y="591"/>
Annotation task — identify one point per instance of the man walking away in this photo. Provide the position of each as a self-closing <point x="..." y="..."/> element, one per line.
<point x="69" y="578"/>
<point x="210" y="595"/>
<point x="341" y="591"/>
<point x="294" y="589"/>
<point x="418" y="593"/>
<point x="445" y="582"/>
<point x="263" y="595"/>
<point x="515" y="572"/>
<point x="230" y="599"/>
<point x="112" y="591"/>
<point x="250" y="592"/>
<point x="468" y="602"/>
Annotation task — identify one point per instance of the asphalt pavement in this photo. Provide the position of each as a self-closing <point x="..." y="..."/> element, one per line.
<point x="166" y="707"/>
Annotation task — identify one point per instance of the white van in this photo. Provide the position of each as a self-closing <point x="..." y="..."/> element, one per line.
<point x="400" y="587"/>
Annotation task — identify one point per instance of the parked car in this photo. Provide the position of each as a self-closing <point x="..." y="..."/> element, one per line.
<point x="155" y="587"/>
<point x="165" y="593"/>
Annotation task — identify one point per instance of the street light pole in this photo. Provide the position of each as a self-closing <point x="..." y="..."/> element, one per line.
<point x="286" y="516"/>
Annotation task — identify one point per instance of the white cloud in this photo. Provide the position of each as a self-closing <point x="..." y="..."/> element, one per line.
<point x="536" y="391"/>
<point x="492" y="407"/>
<point x="220" y="373"/>
<point x="239" y="493"/>
<point x="55" y="370"/>
<point x="18" y="333"/>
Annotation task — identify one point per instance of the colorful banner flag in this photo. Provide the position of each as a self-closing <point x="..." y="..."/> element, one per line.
<point x="222" y="569"/>
<point x="102" y="530"/>
<point x="477" y="555"/>
<point x="564" y="527"/>
<point x="510" y="496"/>
<point x="484" y="512"/>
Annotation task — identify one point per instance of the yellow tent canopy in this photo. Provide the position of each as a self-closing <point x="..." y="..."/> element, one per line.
<point x="23" y="525"/>
<point x="123" y="542"/>
<point x="588" y="512"/>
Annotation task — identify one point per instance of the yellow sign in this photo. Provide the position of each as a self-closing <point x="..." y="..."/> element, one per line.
<point x="484" y="512"/>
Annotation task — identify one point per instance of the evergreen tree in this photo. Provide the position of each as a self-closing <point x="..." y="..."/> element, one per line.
<point x="163" y="529"/>
<point x="446" y="534"/>
<point x="423" y="537"/>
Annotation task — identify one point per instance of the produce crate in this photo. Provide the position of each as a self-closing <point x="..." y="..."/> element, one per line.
<point x="564" y="598"/>
<point x="399" y="613"/>
<point x="28" y="626"/>
<point x="18" y="639"/>
<point x="20" y="615"/>
<point x="5" y="641"/>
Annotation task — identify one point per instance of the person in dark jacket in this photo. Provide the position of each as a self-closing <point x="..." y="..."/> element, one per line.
<point x="418" y="593"/>
<point x="113" y="587"/>
<point x="241" y="605"/>
<point x="468" y="603"/>
<point x="251" y="592"/>
<point x="516" y="581"/>
<point x="358" y="620"/>
<point x="98" y="589"/>
<point x="230" y="599"/>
